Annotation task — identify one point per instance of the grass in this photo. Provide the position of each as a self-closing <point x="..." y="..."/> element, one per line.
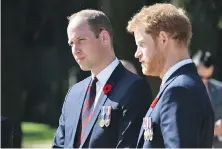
<point x="35" y="133"/>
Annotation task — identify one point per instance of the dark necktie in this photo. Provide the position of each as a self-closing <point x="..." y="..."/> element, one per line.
<point x="87" y="109"/>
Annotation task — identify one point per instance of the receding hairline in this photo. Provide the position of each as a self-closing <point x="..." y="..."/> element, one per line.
<point x="97" y="21"/>
<point x="87" y="13"/>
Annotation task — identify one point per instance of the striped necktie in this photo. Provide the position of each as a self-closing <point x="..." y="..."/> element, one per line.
<point x="87" y="109"/>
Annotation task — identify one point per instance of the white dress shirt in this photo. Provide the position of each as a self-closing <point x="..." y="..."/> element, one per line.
<point x="102" y="77"/>
<point x="173" y="69"/>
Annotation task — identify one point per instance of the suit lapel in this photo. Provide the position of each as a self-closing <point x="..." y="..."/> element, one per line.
<point x="141" y="129"/>
<point x="188" y="68"/>
<point x="92" y="120"/>
<point x="151" y="109"/>
<point x="160" y="93"/>
<point x="115" y="76"/>
<point x="79" y="105"/>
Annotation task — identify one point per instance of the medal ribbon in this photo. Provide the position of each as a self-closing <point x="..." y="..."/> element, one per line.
<point x="150" y="123"/>
<point x="108" y="112"/>
<point x="103" y="113"/>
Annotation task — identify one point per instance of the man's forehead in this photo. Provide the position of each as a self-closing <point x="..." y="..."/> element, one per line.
<point x="78" y="27"/>
<point x="139" y="35"/>
<point x="77" y="22"/>
<point x="139" y="29"/>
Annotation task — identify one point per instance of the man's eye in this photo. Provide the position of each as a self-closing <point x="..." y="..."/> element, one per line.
<point x="141" y="44"/>
<point x="71" y="43"/>
<point x="81" y="39"/>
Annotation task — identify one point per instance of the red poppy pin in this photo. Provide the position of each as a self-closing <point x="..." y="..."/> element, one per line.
<point x="107" y="88"/>
<point x="153" y="104"/>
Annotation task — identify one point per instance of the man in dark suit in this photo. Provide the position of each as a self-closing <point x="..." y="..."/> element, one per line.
<point x="106" y="109"/>
<point x="129" y="66"/>
<point x="181" y="115"/>
<point x="205" y="66"/>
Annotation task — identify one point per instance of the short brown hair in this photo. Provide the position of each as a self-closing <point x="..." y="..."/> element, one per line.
<point x="163" y="17"/>
<point x="96" y="20"/>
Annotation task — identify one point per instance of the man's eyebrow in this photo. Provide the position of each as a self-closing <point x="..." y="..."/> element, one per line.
<point x="74" y="39"/>
<point x="140" y="41"/>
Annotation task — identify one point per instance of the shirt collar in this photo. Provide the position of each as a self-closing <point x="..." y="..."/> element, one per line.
<point x="104" y="75"/>
<point x="173" y="69"/>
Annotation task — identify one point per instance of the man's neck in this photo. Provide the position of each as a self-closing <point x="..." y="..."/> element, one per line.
<point x="205" y="81"/>
<point x="174" y="58"/>
<point x="96" y="70"/>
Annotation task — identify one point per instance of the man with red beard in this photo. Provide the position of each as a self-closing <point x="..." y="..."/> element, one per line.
<point x="181" y="115"/>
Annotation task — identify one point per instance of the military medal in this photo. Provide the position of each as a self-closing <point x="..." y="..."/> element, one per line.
<point x="145" y="127"/>
<point x="101" y="123"/>
<point x="102" y="120"/>
<point x="150" y="128"/>
<point x="108" y="116"/>
<point x="146" y="135"/>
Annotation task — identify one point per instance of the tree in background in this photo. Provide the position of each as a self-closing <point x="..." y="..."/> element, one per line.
<point x="36" y="59"/>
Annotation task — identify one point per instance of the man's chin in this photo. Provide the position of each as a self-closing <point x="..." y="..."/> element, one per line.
<point x="84" y="68"/>
<point x="145" y="72"/>
<point x="148" y="72"/>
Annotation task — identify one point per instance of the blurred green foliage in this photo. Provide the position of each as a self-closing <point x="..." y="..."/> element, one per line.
<point x="36" y="133"/>
<point x="37" y="61"/>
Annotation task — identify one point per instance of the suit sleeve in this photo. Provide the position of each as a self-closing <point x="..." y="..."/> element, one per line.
<point x="59" y="138"/>
<point x="137" y="101"/>
<point x="58" y="141"/>
<point x="180" y="118"/>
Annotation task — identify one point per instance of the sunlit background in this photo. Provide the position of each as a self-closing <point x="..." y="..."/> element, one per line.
<point x="38" y="67"/>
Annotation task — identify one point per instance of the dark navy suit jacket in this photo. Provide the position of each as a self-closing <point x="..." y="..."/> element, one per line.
<point x="129" y="98"/>
<point x="183" y="116"/>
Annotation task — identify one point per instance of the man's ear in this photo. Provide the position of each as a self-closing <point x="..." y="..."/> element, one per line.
<point x="163" y="38"/>
<point x="104" y="36"/>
